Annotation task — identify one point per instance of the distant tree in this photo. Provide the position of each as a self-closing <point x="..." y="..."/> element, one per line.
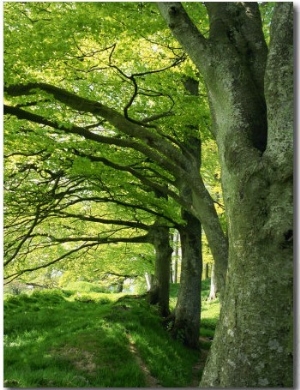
<point x="213" y="289"/>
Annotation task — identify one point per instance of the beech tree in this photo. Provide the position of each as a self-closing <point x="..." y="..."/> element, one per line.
<point x="250" y="89"/>
<point x="249" y="86"/>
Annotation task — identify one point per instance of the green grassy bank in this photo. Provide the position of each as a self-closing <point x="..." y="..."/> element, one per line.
<point x="71" y="339"/>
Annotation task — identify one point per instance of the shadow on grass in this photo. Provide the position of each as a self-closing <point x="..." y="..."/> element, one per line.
<point x="51" y="341"/>
<point x="167" y="359"/>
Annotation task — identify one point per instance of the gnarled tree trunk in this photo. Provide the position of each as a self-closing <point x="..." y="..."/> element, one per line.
<point x="251" y="100"/>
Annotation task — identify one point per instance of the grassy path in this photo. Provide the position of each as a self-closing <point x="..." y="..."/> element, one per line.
<point x="55" y="339"/>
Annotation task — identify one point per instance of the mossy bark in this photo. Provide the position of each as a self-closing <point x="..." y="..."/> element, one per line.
<point x="251" y="99"/>
<point x="253" y="342"/>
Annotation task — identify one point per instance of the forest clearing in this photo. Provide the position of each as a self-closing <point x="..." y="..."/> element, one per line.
<point x="148" y="150"/>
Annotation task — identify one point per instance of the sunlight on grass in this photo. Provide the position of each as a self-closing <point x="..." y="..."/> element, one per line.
<point x="78" y="339"/>
<point x="210" y="309"/>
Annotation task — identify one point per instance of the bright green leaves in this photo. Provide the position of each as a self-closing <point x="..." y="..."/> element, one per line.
<point x="266" y="10"/>
<point x="197" y="12"/>
<point x="70" y="187"/>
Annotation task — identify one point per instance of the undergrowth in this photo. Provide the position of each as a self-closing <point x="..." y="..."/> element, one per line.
<point x="62" y="338"/>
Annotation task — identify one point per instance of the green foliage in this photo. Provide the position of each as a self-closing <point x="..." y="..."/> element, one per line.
<point x="57" y="179"/>
<point x="51" y="339"/>
<point x="266" y="10"/>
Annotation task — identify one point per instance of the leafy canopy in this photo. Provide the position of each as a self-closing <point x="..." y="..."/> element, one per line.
<point x="73" y="179"/>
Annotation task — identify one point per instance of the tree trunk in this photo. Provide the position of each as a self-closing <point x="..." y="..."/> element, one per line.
<point x="120" y="285"/>
<point x="253" y="344"/>
<point x="213" y="289"/>
<point x="187" y="312"/>
<point x="176" y="244"/>
<point x="186" y="324"/>
<point x="160" y="288"/>
<point x="206" y="271"/>
<point x="149" y="280"/>
<point x="252" y="123"/>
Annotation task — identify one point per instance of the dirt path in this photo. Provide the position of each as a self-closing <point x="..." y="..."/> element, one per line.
<point x="151" y="381"/>
<point x="199" y="366"/>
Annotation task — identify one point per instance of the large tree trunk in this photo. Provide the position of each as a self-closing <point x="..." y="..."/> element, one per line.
<point x="253" y="128"/>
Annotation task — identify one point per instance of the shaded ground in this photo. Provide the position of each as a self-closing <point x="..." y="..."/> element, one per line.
<point x="153" y="382"/>
<point x="199" y="366"/>
<point x="51" y="339"/>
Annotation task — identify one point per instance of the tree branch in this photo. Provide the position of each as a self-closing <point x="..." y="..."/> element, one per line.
<point x="154" y="146"/>
<point x="35" y="222"/>
<point x="96" y="242"/>
<point x="184" y="30"/>
<point x="100" y="240"/>
<point x="90" y="218"/>
<point x="14" y="275"/>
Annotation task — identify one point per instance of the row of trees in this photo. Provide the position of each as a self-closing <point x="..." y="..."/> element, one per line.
<point x="117" y="112"/>
<point x="84" y="173"/>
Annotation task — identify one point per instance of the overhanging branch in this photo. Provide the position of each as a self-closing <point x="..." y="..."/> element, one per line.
<point x="152" y="145"/>
<point x="138" y="239"/>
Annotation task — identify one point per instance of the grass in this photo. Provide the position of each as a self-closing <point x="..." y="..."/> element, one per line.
<point x="92" y="339"/>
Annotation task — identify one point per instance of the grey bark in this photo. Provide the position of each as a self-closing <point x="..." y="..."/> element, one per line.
<point x="251" y="101"/>
<point x="149" y="280"/>
<point x="186" y="322"/>
<point x="160" y="288"/>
